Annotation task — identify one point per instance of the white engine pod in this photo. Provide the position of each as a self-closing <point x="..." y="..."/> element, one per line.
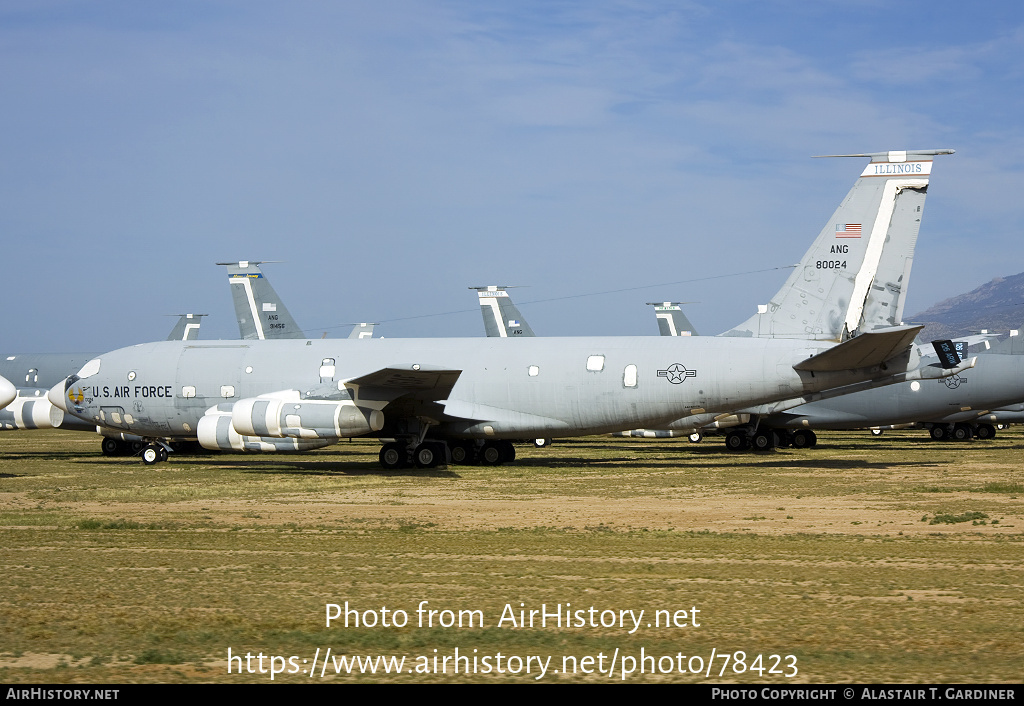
<point x="30" y="413"/>
<point x="303" y="419"/>
<point x="215" y="432"/>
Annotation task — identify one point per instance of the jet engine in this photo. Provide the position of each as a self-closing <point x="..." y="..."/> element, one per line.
<point x="278" y="416"/>
<point x="7" y="392"/>
<point x="216" y="433"/>
<point x="31" y="413"/>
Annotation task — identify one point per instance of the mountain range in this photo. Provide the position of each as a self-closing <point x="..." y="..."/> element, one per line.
<point x="996" y="306"/>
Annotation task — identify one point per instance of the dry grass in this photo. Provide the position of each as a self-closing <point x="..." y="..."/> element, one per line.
<point x="118" y="572"/>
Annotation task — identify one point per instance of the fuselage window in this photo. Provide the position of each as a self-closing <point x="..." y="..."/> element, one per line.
<point x="595" y="363"/>
<point x="629" y="376"/>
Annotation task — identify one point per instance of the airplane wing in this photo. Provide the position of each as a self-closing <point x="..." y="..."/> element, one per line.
<point x="501" y="417"/>
<point x="421" y="382"/>
<point x="863" y="351"/>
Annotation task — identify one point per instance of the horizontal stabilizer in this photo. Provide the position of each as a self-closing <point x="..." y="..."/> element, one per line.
<point x="863" y="351"/>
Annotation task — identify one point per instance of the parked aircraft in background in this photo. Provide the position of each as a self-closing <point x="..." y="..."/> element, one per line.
<point x="502" y="319"/>
<point x="7" y="392"/>
<point x="830" y="330"/>
<point x="671" y="319"/>
<point x="967" y="405"/>
<point x="362" y="331"/>
<point x="260" y="312"/>
<point x="34" y="374"/>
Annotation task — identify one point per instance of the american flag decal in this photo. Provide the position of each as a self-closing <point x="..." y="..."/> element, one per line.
<point x="850" y="230"/>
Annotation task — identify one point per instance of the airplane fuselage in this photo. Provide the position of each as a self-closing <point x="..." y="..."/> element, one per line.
<point x="535" y="387"/>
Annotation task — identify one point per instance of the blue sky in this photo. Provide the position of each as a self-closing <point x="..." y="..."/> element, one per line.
<point x="393" y="154"/>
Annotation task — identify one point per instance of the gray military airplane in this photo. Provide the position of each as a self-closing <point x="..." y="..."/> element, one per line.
<point x="260" y="312"/>
<point x="671" y="319"/>
<point x="7" y="392"/>
<point x="466" y="398"/>
<point x="363" y="330"/>
<point x="967" y="406"/>
<point x="502" y="319"/>
<point x="949" y="410"/>
<point x="31" y="410"/>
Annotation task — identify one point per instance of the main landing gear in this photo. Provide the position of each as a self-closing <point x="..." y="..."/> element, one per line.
<point x="961" y="432"/>
<point x="431" y="454"/>
<point x="117" y="447"/>
<point x="765" y="439"/>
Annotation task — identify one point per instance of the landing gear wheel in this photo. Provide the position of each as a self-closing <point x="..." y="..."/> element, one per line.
<point x="110" y="447"/>
<point x="392" y="456"/>
<point x="162" y="453"/>
<point x="462" y="452"/>
<point x="541" y="443"/>
<point x="783" y="439"/>
<point x="939" y="433"/>
<point x="763" y="441"/>
<point x="736" y="441"/>
<point x="962" y="432"/>
<point x="695" y="437"/>
<point x="151" y="454"/>
<point x="429" y="454"/>
<point x="508" y="451"/>
<point x="491" y="455"/>
<point x="876" y="432"/>
<point x="985" y="431"/>
<point x="804" y="439"/>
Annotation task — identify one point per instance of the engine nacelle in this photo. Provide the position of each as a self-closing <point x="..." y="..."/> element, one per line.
<point x="216" y="433"/>
<point x="280" y="416"/>
<point x="7" y="392"/>
<point x="31" y="413"/>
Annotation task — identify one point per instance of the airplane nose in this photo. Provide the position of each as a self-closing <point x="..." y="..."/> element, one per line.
<point x="7" y="392"/>
<point x="57" y="396"/>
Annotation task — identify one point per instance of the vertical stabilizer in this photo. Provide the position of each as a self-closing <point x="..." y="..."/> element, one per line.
<point x="187" y="328"/>
<point x="671" y="319"/>
<point x="362" y="331"/>
<point x="261" y="314"/>
<point x="854" y="277"/>
<point x="501" y="317"/>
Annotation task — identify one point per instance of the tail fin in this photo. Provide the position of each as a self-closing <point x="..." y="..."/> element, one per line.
<point x="187" y="328"/>
<point x="259" y="311"/>
<point x="501" y="317"/>
<point x="671" y="319"/>
<point x="854" y="277"/>
<point x="362" y="331"/>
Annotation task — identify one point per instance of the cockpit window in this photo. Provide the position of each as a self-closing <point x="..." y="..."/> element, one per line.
<point x="89" y="369"/>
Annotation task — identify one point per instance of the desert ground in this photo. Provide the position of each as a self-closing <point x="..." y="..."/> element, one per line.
<point x="889" y="559"/>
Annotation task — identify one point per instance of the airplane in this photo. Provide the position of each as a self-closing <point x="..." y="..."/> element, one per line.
<point x="466" y="399"/>
<point x="951" y="406"/>
<point x="671" y="319"/>
<point x="260" y="312"/>
<point x="31" y="409"/>
<point x="967" y="406"/>
<point x="363" y="330"/>
<point x="502" y="319"/>
<point x="7" y="392"/>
